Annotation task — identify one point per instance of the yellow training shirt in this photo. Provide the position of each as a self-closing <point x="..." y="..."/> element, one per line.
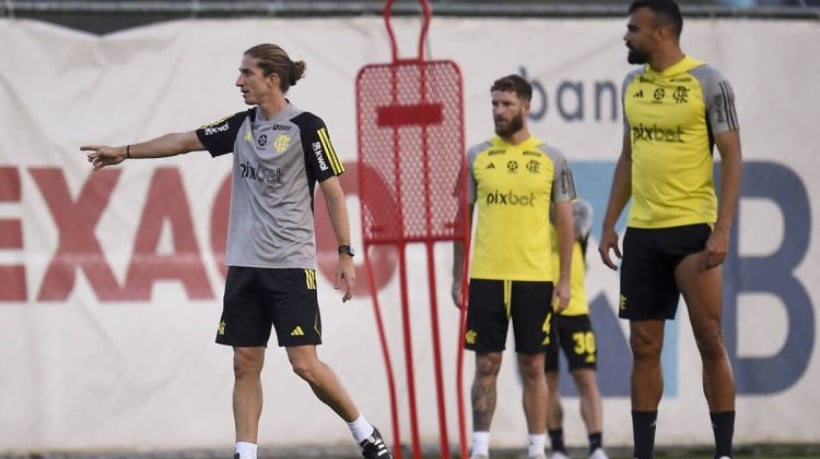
<point x="512" y="187"/>
<point x="671" y="118"/>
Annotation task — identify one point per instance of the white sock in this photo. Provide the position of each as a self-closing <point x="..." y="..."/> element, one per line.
<point x="537" y="444"/>
<point x="246" y="450"/>
<point x="481" y="443"/>
<point x="360" y="428"/>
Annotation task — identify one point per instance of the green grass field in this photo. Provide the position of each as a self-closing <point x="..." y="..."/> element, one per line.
<point x="765" y="451"/>
<point x="757" y="452"/>
<point x="703" y="456"/>
<point x="306" y="452"/>
<point x="670" y="456"/>
<point x="752" y="453"/>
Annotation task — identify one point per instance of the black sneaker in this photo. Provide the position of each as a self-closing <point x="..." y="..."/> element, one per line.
<point x="373" y="447"/>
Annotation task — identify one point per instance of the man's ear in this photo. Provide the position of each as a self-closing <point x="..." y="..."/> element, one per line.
<point x="274" y="79"/>
<point x="663" y="32"/>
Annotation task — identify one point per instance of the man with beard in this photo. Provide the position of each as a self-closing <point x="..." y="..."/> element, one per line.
<point x="675" y="110"/>
<point x="513" y="178"/>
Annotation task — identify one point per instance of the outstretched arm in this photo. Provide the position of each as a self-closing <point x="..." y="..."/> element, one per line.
<point x="167" y="145"/>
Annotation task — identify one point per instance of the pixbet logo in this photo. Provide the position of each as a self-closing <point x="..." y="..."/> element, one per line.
<point x="261" y="174"/>
<point x="657" y="133"/>
<point x="217" y="129"/>
<point x="510" y="199"/>
<point x="317" y="151"/>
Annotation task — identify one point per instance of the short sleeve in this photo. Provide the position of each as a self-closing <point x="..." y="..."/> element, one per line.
<point x="219" y="137"/>
<point x="719" y="99"/>
<point x="320" y="156"/>
<point x="563" y="186"/>
<point x="472" y="154"/>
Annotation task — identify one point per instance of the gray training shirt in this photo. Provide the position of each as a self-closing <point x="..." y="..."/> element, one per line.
<point x="276" y="165"/>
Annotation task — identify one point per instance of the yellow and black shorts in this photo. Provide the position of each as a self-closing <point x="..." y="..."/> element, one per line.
<point x="493" y="303"/>
<point x="573" y="335"/>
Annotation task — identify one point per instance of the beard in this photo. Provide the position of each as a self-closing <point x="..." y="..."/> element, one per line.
<point x="636" y="56"/>
<point x="513" y="126"/>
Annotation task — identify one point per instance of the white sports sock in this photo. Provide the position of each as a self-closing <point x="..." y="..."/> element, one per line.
<point x="246" y="450"/>
<point x="360" y="428"/>
<point x="537" y="444"/>
<point x="481" y="443"/>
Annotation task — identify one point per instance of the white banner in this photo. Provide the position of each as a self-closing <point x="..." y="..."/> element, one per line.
<point x="110" y="283"/>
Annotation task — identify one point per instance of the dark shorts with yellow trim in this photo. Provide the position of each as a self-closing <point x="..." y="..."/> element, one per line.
<point x="492" y="303"/>
<point x="257" y="299"/>
<point x="574" y="336"/>
<point x="649" y="290"/>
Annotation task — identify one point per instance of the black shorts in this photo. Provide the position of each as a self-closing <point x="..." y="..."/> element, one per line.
<point x="492" y="303"/>
<point x="258" y="298"/>
<point x="573" y="335"/>
<point x="648" y="287"/>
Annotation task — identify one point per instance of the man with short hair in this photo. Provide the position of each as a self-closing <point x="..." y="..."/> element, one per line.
<point x="675" y="110"/>
<point x="513" y="178"/>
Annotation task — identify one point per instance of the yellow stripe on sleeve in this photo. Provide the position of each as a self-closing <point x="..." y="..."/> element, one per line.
<point x="335" y="164"/>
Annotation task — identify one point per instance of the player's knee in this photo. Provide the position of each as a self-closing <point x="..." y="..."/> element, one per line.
<point x="585" y="382"/>
<point x="304" y="369"/>
<point x="553" y="382"/>
<point x="531" y="372"/>
<point x="710" y="343"/>
<point x="246" y="362"/>
<point x="531" y="367"/>
<point x="645" y="347"/>
<point x="488" y="365"/>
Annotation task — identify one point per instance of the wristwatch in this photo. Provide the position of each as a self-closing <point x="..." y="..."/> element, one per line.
<point x="346" y="249"/>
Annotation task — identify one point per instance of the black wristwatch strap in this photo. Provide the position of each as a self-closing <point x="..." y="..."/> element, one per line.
<point x="346" y="249"/>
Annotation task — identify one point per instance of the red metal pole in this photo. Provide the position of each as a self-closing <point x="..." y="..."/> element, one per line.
<point x="391" y="381"/>
<point x="408" y="352"/>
